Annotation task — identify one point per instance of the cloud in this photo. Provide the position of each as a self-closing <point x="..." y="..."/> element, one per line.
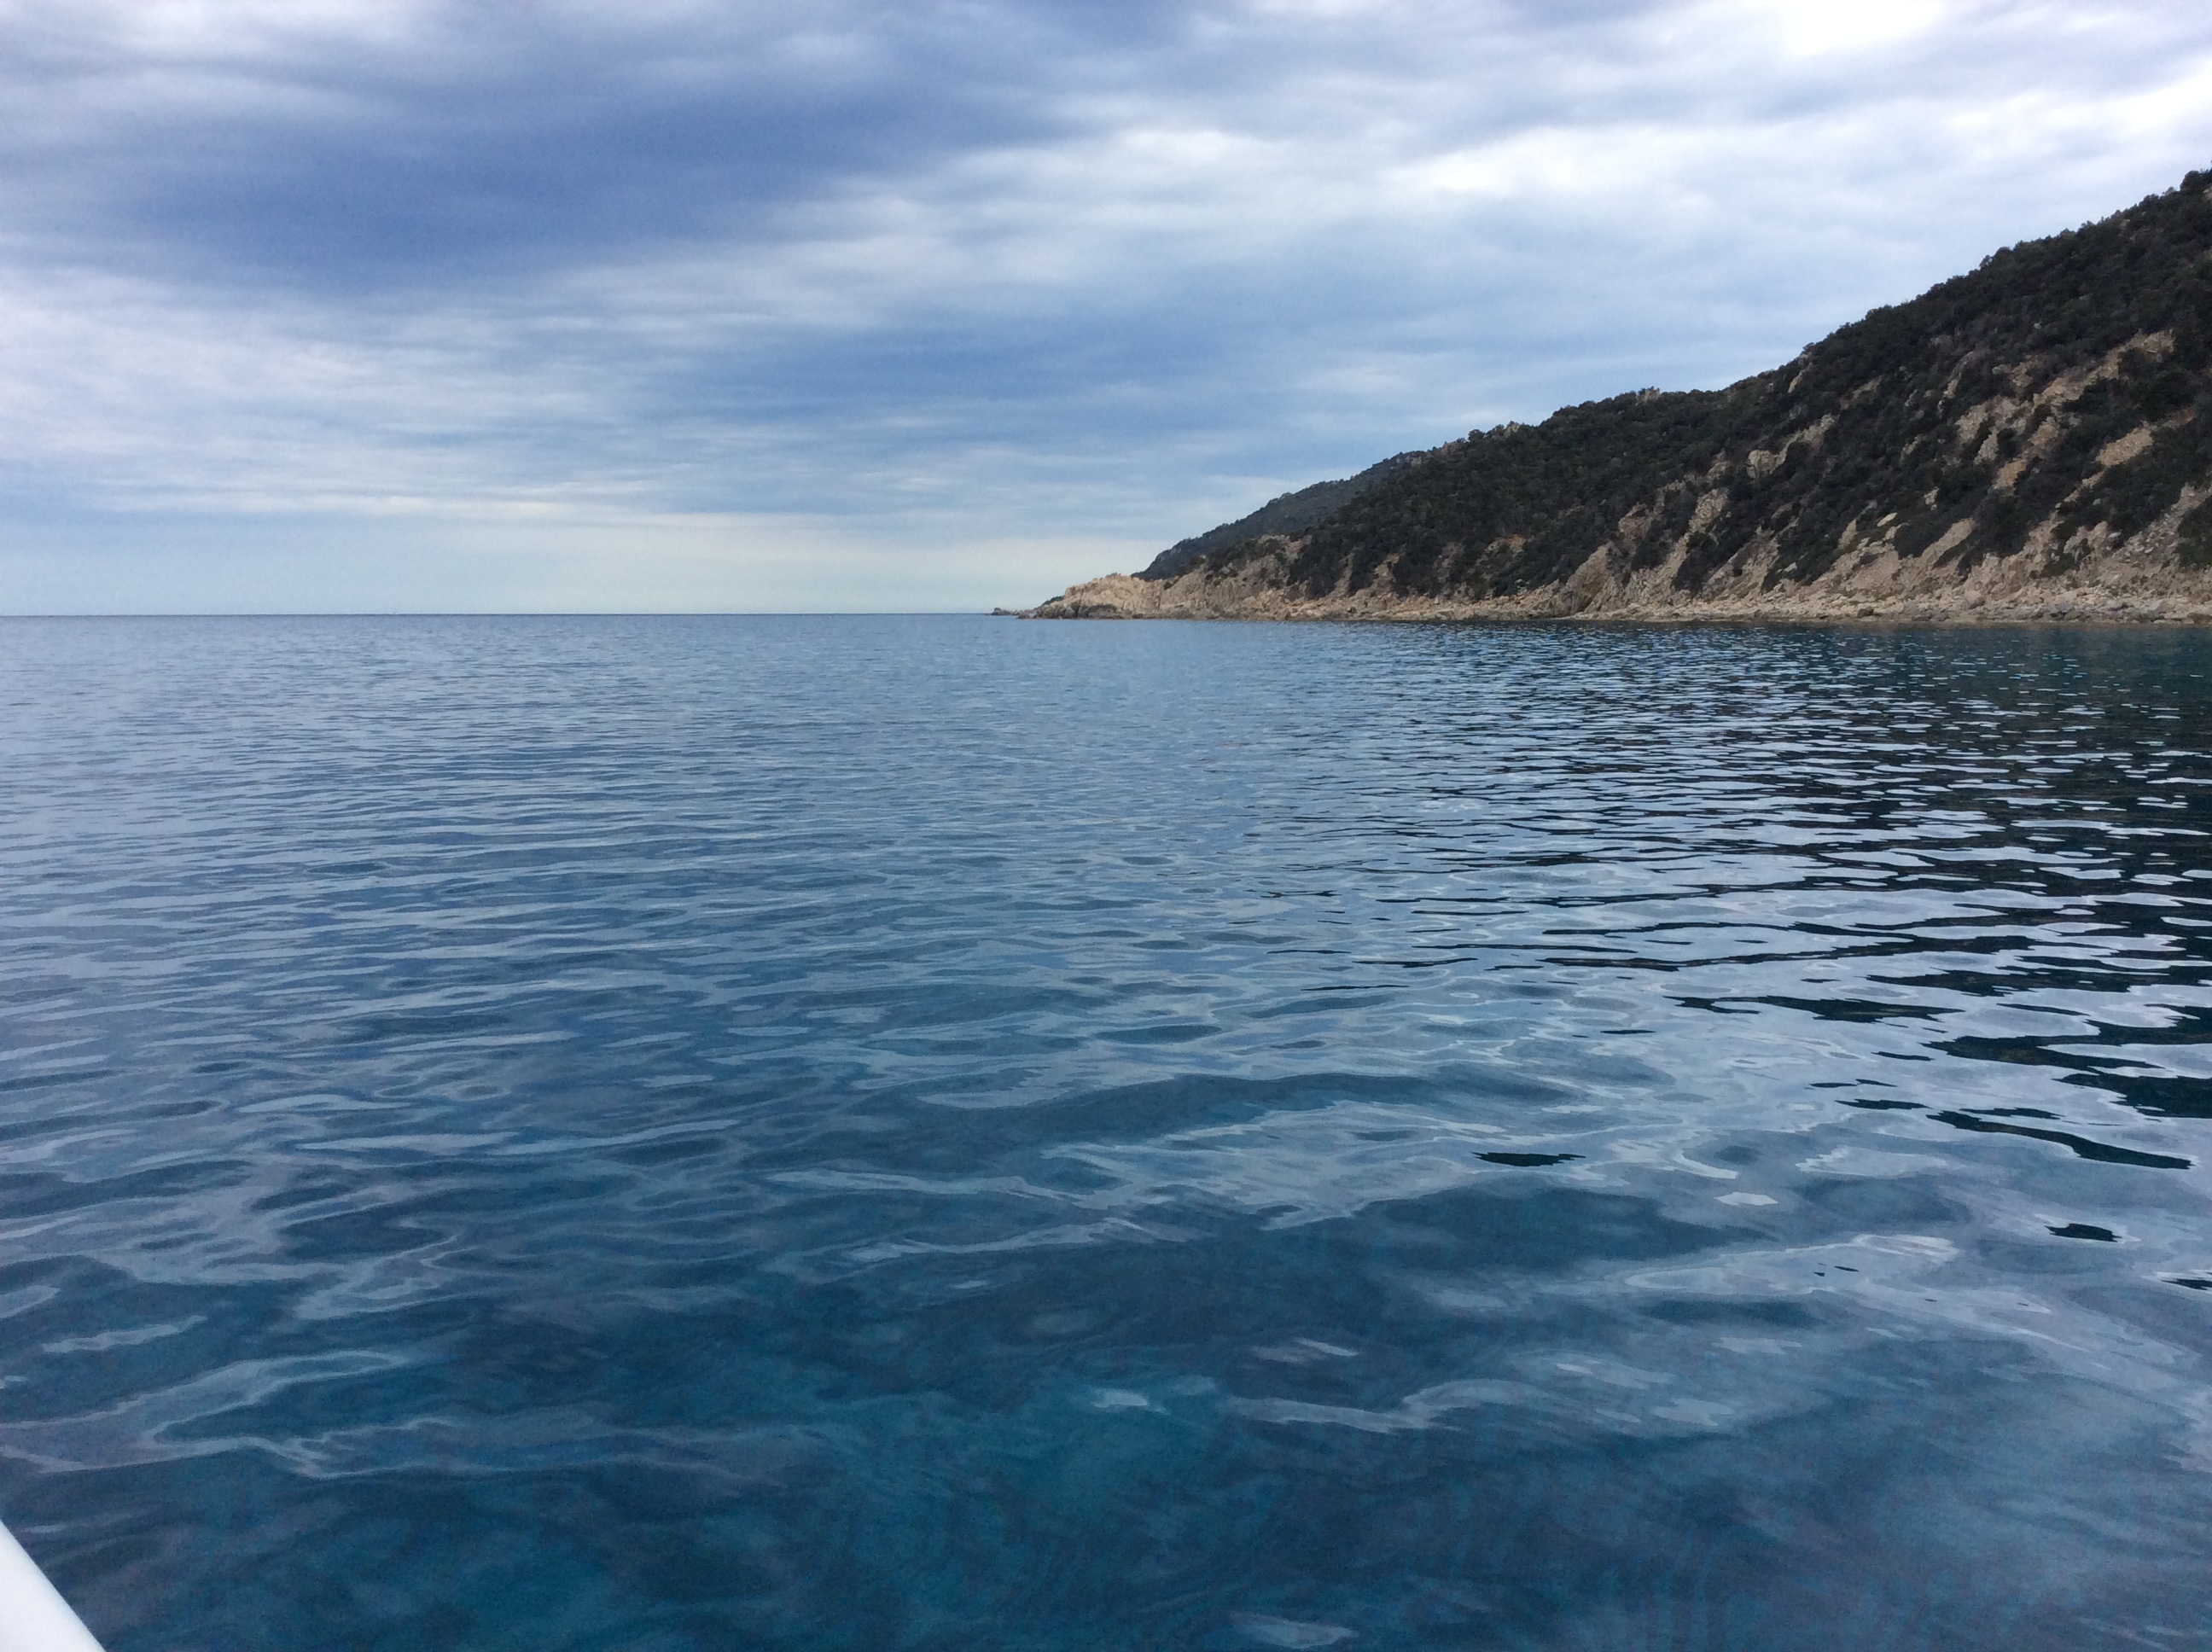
<point x="927" y="274"/>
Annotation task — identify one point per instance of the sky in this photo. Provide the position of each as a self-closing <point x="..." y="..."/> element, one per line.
<point x="647" y="305"/>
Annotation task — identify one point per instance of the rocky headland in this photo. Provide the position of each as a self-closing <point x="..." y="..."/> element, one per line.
<point x="2030" y="442"/>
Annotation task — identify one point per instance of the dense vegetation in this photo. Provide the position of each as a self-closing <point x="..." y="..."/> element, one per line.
<point x="1291" y="513"/>
<point x="1958" y="424"/>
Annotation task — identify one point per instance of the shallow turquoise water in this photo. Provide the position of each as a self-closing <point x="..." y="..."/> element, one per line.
<point x="658" y="1133"/>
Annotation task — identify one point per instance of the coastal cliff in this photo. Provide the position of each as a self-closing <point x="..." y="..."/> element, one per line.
<point x="2030" y="441"/>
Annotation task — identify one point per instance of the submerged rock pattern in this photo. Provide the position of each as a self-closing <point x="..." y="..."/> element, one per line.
<point x="2030" y="441"/>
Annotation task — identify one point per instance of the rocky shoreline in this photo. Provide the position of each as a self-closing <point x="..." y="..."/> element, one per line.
<point x="2140" y="581"/>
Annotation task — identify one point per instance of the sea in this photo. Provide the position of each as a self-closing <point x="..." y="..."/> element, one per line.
<point x="658" y="1134"/>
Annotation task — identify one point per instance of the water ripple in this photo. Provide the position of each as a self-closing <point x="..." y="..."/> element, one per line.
<point x="663" y="1133"/>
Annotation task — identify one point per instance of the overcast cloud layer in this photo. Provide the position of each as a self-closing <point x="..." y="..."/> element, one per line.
<point x="337" y="304"/>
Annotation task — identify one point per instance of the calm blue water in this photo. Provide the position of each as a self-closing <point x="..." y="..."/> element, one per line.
<point x="658" y="1134"/>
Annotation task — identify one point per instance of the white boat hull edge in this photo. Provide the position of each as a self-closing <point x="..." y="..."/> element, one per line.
<point x="33" y="1617"/>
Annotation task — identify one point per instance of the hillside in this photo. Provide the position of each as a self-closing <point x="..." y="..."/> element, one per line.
<point x="1286" y="514"/>
<point x="2033" y="439"/>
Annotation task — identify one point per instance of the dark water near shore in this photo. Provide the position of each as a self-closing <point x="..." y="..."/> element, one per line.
<point x="940" y="1134"/>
